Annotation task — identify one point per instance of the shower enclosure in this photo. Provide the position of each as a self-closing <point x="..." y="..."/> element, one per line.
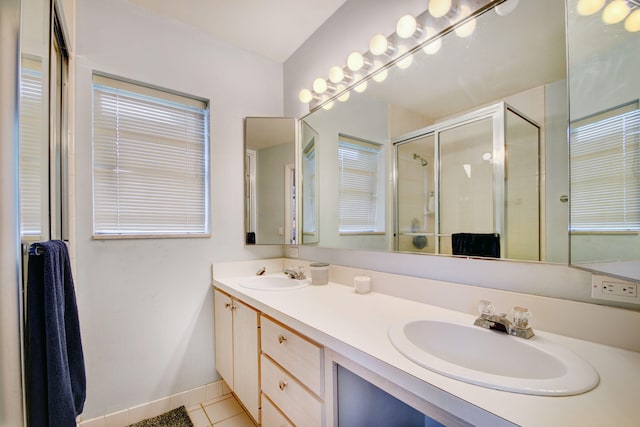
<point x="472" y="175"/>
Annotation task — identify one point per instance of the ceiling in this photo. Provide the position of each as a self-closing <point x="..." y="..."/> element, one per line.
<point x="274" y="29"/>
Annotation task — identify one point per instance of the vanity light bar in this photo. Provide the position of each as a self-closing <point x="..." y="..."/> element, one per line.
<point x="613" y="12"/>
<point x="412" y="33"/>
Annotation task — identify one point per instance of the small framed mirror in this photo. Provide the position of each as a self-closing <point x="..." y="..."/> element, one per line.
<point x="270" y="190"/>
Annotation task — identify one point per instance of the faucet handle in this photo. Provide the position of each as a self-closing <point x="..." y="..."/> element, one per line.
<point x="486" y="308"/>
<point x="521" y="317"/>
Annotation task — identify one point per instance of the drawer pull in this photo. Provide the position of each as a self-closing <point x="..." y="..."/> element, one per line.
<point x="230" y="306"/>
<point x="281" y="338"/>
<point x="282" y="385"/>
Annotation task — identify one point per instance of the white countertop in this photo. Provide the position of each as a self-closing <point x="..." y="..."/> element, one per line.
<point x="355" y="325"/>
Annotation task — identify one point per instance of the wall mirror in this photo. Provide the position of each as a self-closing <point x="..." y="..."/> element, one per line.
<point x="466" y="136"/>
<point x="604" y="59"/>
<point x="270" y="192"/>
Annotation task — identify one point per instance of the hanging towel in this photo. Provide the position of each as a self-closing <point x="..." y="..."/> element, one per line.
<point x="54" y="361"/>
<point x="476" y="244"/>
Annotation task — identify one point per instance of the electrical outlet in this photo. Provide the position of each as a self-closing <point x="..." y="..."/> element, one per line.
<point x="607" y="288"/>
<point x="293" y="252"/>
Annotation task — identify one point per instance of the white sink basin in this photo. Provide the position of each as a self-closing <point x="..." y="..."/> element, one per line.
<point x="274" y="283"/>
<point x="493" y="359"/>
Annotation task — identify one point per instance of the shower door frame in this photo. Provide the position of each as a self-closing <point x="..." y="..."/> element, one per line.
<point x="498" y="113"/>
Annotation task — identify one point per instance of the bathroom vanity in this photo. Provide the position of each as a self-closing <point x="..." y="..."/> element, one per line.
<point x="310" y="334"/>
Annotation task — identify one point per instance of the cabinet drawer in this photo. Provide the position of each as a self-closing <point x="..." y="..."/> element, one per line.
<point x="271" y="416"/>
<point x="294" y="353"/>
<point x="300" y="406"/>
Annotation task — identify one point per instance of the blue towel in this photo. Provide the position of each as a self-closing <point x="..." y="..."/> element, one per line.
<point x="54" y="361"/>
<point x="476" y="244"/>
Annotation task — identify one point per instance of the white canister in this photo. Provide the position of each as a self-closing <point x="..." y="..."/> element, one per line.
<point x="319" y="273"/>
<point x="362" y="284"/>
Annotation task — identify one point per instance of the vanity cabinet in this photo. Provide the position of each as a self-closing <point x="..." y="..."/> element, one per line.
<point x="237" y="349"/>
<point x="291" y="377"/>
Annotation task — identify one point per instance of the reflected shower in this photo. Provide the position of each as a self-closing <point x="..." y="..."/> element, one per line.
<point x="422" y="160"/>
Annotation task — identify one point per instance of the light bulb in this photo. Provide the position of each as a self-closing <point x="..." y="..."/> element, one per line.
<point x="328" y="105"/>
<point x="320" y="85"/>
<point x="438" y="8"/>
<point x="504" y="9"/>
<point x="405" y="62"/>
<point x="632" y="24"/>
<point x="379" y="45"/>
<point x="336" y="74"/>
<point x="343" y="97"/>
<point x="406" y="27"/>
<point x="381" y="75"/>
<point x="589" y="7"/>
<point x="469" y="27"/>
<point x="305" y="96"/>
<point x="361" y="87"/>
<point x="615" y="12"/>
<point x="433" y="47"/>
<point x="355" y="61"/>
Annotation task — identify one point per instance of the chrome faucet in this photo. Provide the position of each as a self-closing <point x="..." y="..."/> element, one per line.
<point x="296" y="273"/>
<point x="518" y="326"/>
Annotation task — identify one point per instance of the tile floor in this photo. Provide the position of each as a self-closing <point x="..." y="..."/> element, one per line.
<point x="224" y="411"/>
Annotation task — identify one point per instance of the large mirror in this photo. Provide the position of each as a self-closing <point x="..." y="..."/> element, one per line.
<point x="270" y="196"/>
<point x="462" y="145"/>
<point x="604" y="59"/>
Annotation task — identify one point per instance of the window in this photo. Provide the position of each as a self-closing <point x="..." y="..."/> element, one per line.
<point x="605" y="171"/>
<point x="360" y="186"/>
<point x="150" y="161"/>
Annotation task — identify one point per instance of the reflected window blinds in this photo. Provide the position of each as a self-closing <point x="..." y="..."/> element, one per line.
<point x="358" y="185"/>
<point x="605" y="172"/>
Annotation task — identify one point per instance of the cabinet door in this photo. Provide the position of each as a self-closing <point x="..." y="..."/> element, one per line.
<point x="223" y="330"/>
<point x="246" y="357"/>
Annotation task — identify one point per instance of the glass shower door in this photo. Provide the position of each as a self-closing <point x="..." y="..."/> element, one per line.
<point x="466" y="169"/>
<point x="415" y="201"/>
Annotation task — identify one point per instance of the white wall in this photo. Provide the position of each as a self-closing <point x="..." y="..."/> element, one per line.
<point x="350" y="29"/>
<point x="146" y="306"/>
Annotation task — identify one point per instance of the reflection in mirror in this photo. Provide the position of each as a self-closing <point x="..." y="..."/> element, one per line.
<point x="270" y="198"/>
<point x="515" y="58"/>
<point x="309" y="182"/>
<point x="489" y="207"/>
<point x="34" y="121"/>
<point x="605" y="138"/>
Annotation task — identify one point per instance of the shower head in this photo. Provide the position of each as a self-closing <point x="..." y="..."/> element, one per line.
<point x="422" y="160"/>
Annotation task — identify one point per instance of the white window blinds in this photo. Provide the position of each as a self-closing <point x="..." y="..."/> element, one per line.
<point x="358" y="185"/>
<point x="605" y="172"/>
<point x="33" y="148"/>
<point x="150" y="161"/>
<point x="309" y="187"/>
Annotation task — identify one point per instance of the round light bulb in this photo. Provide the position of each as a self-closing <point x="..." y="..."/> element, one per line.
<point x="469" y="27"/>
<point x="328" y="105"/>
<point x="381" y="75"/>
<point x="615" y="12"/>
<point x="405" y="62"/>
<point x="361" y="87"/>
<point x="378" y="44"/>
<point x="344" y="96"/>
<point x="433" y="47"/>
<point x="305" y="96"/>
<point x="589" y="7"/>
<point x="438" y="8"/>
<point x="632" y="24"/>
<point x="406" y="27"/>
<point x="336" y="74"/>
<point x="355" y="61"/>
<point x="504" y="9"/>
<point x="320" y="85"/>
